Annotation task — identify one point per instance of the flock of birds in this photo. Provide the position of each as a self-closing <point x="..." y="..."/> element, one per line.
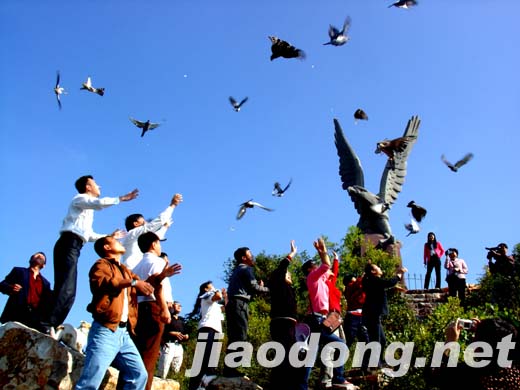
<point x="283" y="49"/>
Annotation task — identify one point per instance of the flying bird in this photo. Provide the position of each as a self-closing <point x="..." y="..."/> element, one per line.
<point x="455" y="167"/>
<point x="59" y="90"/>
<point x="281" y="48"/>
<point x="88" y="86"/>
<point x="235" y="104"/>
<point x="394" y="147"/>
<point x="404" y="4"/>
<point x="278" y="191"/>
<point x="145" y="126"/>
<point x="360" y="115"/>
<point x="249" y="205"/>
<point x="373" y="208"/>
<point x="412" y="227"/>
<point x="339" y="37"/>
<point x="418" y="212"/>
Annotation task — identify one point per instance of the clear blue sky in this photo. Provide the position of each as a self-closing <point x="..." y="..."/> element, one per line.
<point x="453" y="63"/>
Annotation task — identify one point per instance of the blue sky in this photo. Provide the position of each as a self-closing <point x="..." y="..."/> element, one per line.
<point x="455" y="64"/>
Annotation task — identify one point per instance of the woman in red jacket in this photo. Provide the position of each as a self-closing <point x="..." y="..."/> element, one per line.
<point x="433" y="252"/>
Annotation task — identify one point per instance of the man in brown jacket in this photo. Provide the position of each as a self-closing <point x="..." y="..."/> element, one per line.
<point x="114" y="309"/>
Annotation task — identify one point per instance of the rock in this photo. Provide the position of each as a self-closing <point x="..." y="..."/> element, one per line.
<point x="30" y="360"/>
<point x="222" y="383"/>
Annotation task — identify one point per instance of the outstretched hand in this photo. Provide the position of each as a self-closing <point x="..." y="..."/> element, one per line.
<point x="130" y="196"/>
<point x="294" y="249"/>
<point x="320" y="246"/>
<point x="144" y="287"/>
<point x="118" y="234"/>
<point x="171" y="270"/>
<point x="176" y="200"/>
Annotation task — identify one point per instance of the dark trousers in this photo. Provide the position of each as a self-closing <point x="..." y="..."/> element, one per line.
<point x="375" y="333"/>
<point x="434" y="262"/>
<point x="285" y="376"/>
<point x="66" y="255"/>
<point x="204" y="368"/>
<point x="457" y="287"/>
<point x="149" y="331"/>
<point x="237" y="322"/>
<point x="354" y="329"/>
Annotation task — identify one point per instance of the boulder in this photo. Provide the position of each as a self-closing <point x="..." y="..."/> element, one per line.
<point x="30" y="360"/>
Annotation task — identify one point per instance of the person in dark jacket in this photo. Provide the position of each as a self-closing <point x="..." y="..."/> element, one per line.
<point x="29" y="293"/>
<point x="376" y="304"/>
<point x="242" y="286"/>
<point x="283" y="322"/>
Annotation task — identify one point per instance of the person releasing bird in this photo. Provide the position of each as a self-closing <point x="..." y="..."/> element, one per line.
<point x="278" y="191"/>
<point x="360" y="115"/>
<point x="59" y="90"/>
<point x="455" y="167"/>
<point x="88" y="86"/>
<point x="393" y="147"/>
<point x="412" y="227"/>
<point x="249" y="205"/>
<point x="339" y="37"/>
<point x="281" y="48"/>
<point x="235" y="104"/>
<point x="405" y="4"/>
<point x="145" y="126"/>
<point x="418" y="212"/>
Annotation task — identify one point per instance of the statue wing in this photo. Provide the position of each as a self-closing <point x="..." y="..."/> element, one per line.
<point x="395" y="173"/>
<point x="350" y="169"/>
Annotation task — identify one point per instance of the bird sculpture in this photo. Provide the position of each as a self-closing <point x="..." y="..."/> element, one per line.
<point x="360" y="115"/>
<point x="405" y="4"/>
<point x="412" y="227"/>
<point x="455" y="167"/>
<point x="235" y="104"/>
<point x="393" y="147"/>
<point x="374" y="219"/>
<point x="145" y="126"/>
<point x="278" y="191"/>
<point x="418" y="212"/>
<point x="59" y="90"/>
<point x="88" y="86"/>
<point x="249" y="205"/>
<point x="339" y="37"/>
<point x="281" y="48"/>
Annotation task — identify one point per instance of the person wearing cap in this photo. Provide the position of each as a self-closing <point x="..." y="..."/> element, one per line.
<point x="503" y="264"/>
<point x="29" y="293"/>
<point x="136" y="225"/>
<point x="114" y="309"/>
<point x="153" y="311"/>
<point x="319" y="299"/>
<point x="242" y="286"/>
<point x="75" y="231"/>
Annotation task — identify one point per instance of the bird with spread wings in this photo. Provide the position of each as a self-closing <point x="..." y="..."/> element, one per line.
<point x="373" y="208"/>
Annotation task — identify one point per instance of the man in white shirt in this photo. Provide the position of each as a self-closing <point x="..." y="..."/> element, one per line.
<point x="75" y="231"/>
<point x="136" y="225"/>
<point x="153" y="311"/>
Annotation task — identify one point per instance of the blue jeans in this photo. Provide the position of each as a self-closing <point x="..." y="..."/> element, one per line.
<point x="105" y="347"/>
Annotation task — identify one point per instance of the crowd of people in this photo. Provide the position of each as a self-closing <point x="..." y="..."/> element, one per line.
<point x="137" y="323"/>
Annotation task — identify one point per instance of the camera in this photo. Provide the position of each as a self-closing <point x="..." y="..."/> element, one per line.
<point x="495" y="249"/>
<point x="464" y="324"/>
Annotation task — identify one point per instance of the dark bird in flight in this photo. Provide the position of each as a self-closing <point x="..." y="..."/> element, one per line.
<point x="88" y="86"/>
<point x="360" y="115"/>
<point x="418" y="212"/>
<point x="281" y="48"/>
<point x="278" y="191"/>
<point x="373" y="208"/>
<point x="145" y="126"/>
<point x="339" y="37"/>
<point x="455" y="167"/>
<point x="403" y="4"/>
<point x="59" y="90"/>
<point x="249" y="205"/>
<point x="412" y="227"/>
<point x="235" y="104"/>
<point x="394" y="147"/>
